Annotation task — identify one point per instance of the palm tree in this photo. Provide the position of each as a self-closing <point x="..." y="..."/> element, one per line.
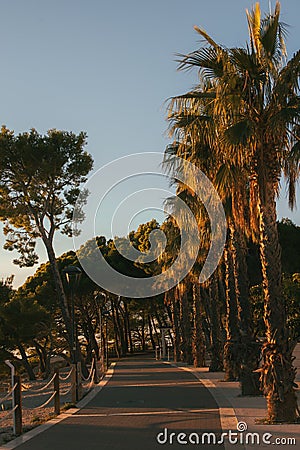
<point x="212" y="292"/>
<point x="183" y="298"/>
<point x="241" y="352"/>
<point x="198" y="341"/>
<point x="256" y="112"/>
<point x="193" y="124"/>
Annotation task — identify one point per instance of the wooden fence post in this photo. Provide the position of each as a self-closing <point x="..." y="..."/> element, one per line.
<point x="56" y="390"/>
<point x="17" y="401"/>
<point x="74" y="383"/>
<point x="79" y="381"/>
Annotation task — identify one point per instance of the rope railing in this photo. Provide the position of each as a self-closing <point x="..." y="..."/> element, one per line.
<point x="36" y="395"/>
<point x="21" y="391"/>
<point x="9" y="413"/>
<point x="68" y="376"/>
<point x="90" y="372"/>
<point x="92" y="380"/>
<point x="16" y="401"/>
<point x="89" y="385"/>
<point x="9" y="394"/>
<point x="62" y="394"/>
<point x="46" y="402"/>
<point x="42" y="388"/>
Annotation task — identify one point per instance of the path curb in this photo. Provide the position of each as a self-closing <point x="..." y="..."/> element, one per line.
<point x="227" y="413"/>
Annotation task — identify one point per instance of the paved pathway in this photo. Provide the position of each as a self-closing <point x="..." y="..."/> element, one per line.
<point x="142" y="398"/>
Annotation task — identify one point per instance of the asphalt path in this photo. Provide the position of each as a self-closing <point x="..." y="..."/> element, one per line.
<point x="145" y="406"/>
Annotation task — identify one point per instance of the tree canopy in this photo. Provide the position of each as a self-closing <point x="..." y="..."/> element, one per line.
<point x="39" y="185"/>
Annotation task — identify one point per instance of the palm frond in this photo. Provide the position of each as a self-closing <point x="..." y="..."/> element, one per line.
<point x="206" y="59"/>
<point x="287" y="82"/>
<point x="196" y="95"/>
<point x="207" y="38"/>
<point x="269" y="35"/>
<point x="292" y="172"/>
<point x="246" y="62"/>
<point x="183" y="121"/>
<point x="226" y="178"/>
<point x="170" y="161"/>
<point x="273" y="35"/>
<point x="294" y="154"/>
<point x="284" y="117"/>
<point x="254" y="25"/>
<point x="239" y="133"/>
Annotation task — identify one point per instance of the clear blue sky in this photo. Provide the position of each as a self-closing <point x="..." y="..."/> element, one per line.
<point x="107" y="68"/>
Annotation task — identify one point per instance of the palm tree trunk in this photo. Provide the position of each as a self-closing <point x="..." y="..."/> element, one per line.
<point x="277" y="372"/>
<point x="198" y="338"/>
<point x="249" y="347"/>
<point x="175" y="324"/>
<point x="185" y="324"/>
<point x="215" y="324"/>
<point x="231" y="347"/>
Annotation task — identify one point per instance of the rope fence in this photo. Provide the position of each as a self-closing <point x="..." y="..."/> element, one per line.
<point x="9" y="413"/>
<point x="90" y="372"/>
<point x="68" y="376"/>
<point x="62" y="394"/>
<point x="16" y="404"/>
<point x="57" y="387"/>
<point x="8" y="395"/>
<point x="47" y="401"/>
<point x="91" y="379"/>
<point x="40" y="389"/>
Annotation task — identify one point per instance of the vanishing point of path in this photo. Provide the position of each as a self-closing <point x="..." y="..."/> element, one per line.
<point x="142" y="398"/>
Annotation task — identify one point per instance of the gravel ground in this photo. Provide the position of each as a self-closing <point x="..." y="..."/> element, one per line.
<point x="31" y="418"/>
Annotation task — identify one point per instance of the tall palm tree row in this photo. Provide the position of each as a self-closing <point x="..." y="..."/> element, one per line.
<point x="191" y="122"/>
<point x="244" y="114"/>
<point x="197" y="137"/>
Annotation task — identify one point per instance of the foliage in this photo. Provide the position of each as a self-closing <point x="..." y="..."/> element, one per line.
<point x="39" y="186"/>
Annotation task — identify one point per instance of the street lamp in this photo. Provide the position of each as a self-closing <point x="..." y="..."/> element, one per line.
<point x="72" y="274"/>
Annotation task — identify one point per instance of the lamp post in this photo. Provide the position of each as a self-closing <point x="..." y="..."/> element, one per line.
<point x="72" y="274"/>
